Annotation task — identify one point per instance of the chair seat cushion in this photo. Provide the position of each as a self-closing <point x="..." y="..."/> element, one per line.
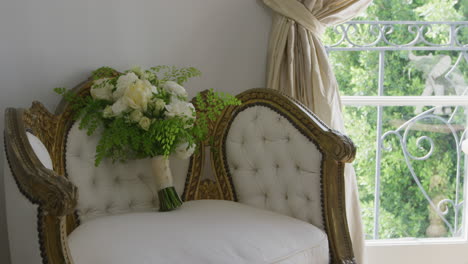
<point x="200" y="232"/>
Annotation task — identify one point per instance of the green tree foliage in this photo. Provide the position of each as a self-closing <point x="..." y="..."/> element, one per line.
<point x="404" y="210"/>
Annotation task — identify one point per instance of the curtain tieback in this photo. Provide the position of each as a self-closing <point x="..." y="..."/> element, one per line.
<point x="296" y="11"/>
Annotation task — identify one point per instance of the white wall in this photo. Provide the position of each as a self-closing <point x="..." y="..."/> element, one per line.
<point x="54" y="43"/>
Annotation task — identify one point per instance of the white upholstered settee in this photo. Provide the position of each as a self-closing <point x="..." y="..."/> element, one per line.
<point x="267" y="189"/>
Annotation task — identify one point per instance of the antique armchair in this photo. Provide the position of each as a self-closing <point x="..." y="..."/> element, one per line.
<point x="276" y="165"/>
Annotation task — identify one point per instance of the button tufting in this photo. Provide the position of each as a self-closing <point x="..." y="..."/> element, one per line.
<point x="277" y="165"/>
<point x="286" y="196"/>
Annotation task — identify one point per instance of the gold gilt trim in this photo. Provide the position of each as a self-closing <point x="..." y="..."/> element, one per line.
<point x="51" y="190"/>
<point x="197" y="188"/>
<point x="53" y="193"/>
<point x="336" y="148"/>
<point x="193" y="180"/>
<point x="209" y="189"/>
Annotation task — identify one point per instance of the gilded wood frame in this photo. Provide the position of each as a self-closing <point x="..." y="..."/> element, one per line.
<point x="57" y="196"/>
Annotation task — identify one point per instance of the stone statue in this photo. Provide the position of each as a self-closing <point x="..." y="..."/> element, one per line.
<point x="438" y="82"/>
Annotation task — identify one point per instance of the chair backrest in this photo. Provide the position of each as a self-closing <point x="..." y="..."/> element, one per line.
<point x="273" y="165"/>
<point x="273" y="153"/>
<point x="112" y="188"/>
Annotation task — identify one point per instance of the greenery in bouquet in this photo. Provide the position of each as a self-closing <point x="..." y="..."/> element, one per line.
<point x="145" y="113"/>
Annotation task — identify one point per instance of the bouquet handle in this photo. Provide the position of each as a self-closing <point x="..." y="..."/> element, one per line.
<point x="168" y="197"/>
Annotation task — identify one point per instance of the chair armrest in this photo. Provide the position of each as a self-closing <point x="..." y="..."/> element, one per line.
<point x="54" y="193"/>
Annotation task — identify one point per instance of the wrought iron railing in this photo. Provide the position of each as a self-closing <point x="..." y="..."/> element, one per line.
<point x="419" y="36"/>
<point x="378" y="35"/>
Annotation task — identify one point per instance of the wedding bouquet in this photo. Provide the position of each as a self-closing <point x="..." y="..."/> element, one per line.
<point x="146" y="114"/>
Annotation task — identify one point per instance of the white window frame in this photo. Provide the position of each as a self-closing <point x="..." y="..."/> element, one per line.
<point x="382" y="27"/>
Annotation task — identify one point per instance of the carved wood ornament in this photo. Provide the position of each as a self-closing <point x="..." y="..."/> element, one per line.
<point x="57" y="196"/>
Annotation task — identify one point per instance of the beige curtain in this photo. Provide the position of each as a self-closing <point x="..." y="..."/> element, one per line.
<point x="298" y="65"/>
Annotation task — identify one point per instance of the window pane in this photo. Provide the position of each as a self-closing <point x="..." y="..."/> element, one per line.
<point x="425" y="150"/>
<point x="426" y="73"/>
<point x="356" y="71"/>
<point x="360" y="122"/>
<point x="422" y="148"/>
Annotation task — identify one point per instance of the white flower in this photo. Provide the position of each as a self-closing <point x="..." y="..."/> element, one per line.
<point x="107" y="112"/>
<point x="136" y="116"/>
<point x="154" y="90"/>
<point x="137" y="70"/>
<point x="119" y="107"/>
<point x="180" y="108"/>
<point x="183" y="151"/>
<point x="175" y="89"/>
<point x="102" y="89"/>
<point x="158" y="104"/>
<point x="145" y="123"/>
<point x="138" y="95"/>
<point x="123" y="82"/>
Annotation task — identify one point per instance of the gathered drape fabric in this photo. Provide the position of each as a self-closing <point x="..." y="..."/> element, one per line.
<point x="298" y="65"/>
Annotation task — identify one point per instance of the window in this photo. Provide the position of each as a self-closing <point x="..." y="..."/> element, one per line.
<point x="404" y="85"/>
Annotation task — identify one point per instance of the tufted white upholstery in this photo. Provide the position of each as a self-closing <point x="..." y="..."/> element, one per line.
<point x="274" y="166"/>
<point x="113" y="188"/>
<point x="200" y="232"/>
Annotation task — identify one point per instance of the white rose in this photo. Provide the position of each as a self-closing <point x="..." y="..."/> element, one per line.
<point x="145" y="123"/>
<point x="175" y="89"/>
<point x="102" y="89"/>
<point x="154" y="90"/>
<point x="137" y="70"/>
<point x="136" y="116"/>
<point x="159" y="104"/>
<point x="138" y="95"/>
<point x="108" y="112"/>
<point x="119" y="107"/>
<point x="183" y="151"/>
<point x="123" y="82"/>
<point x="180" y="108"/>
